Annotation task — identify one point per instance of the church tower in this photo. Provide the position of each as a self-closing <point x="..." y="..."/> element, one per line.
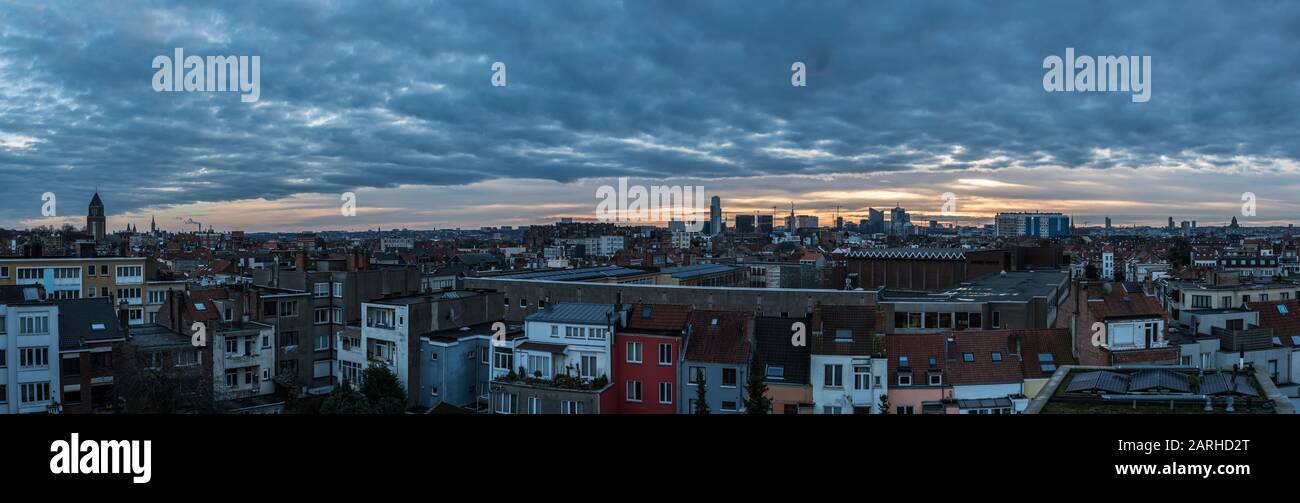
<point x="95" y="220"/>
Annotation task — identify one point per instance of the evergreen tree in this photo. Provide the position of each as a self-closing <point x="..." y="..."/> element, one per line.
<point x="383" y="390"/>
<point x="701" y="403"/>
<point x="757" y="401"/>
<point x="345" y="400"/>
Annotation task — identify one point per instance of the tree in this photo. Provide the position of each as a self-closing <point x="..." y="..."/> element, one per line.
<point x="383" y="391"/>
<point x="883" y="406"/>
<point x="151" y="383"/>
<point x="345" y="400"/>
<point x="756" y="401"/>
<point x="701" y="404"/>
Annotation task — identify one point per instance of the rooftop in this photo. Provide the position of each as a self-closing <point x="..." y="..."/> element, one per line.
<point x="1156" y="389"/>
<point x="573" y="312"/>
<point x="697" y="270"/>
<point x="583" y="274"/>
<point x="1016" y="286"/>
<point x="85" y="321"/>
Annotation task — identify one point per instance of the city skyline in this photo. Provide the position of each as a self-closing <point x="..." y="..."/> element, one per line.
<point x="407" y="116"/>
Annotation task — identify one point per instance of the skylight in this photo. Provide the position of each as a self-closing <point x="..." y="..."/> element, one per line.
<point x="997" y="357"/>
<point x="1281" y="309"/>
<point x="775" y="372"/>
<point x="645" y="313"/>
<point x="934" y="362"/>
<point x="98" y="326"/>
<point x="1277" y="341"/>
<point x="968" y="357"/>
<point x="902" y="360"/>
<point x="1295" y="340"/>
<point x="843" y="334"/>
<point x="200" y="307"/>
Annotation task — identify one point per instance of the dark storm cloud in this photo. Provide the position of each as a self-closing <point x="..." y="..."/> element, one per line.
<point x="381" y="94"/>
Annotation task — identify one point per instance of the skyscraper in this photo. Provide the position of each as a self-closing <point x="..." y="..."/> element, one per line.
<point x="715" y="216"/>
<point x="95" y="220"/>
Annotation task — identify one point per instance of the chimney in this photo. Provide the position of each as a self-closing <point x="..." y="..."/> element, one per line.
<point x="300" y="261"/>
<point x="124" y="317"/>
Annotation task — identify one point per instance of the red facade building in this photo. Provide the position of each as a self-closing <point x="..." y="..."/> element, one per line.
<point x="646" y="355"/>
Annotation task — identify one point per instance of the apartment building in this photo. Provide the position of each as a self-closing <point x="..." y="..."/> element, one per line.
<point x="647" y="354"/>
<point x="392" y="332"/>
<point x="118" y="278"/>
<point x="91" y="335"/>
<point x="565" y="358"/>
<point x="785" y="364"/>
<point x="848" y="365"/>
<point x="29" y="351"/>
<point x="718" y="350"/>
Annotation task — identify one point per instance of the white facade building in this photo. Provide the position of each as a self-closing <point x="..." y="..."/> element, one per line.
<point x="29" y="352"/>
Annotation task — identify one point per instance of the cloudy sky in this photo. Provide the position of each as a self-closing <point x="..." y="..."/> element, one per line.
<point x="393" y="101"/>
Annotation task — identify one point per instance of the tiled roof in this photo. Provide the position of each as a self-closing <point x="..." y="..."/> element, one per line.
<point x="719" y="337"/>
<point x="86" y="321"/>
<point x="1283" y="316"/>
<point x="830" y="321"/>
<point x="1055" y="341"/>
<point x="981" y="368"/>
<point x="1119" y="303"/>
<point x="658" y="318"/>
<point x="775" y="349"/>
<point x="919" y="349"/>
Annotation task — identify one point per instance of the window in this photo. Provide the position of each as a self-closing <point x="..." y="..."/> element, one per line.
<point x="288" y="338"/>
<point x="843" y="335"/>
<point x="4" y="394"/>
<point x="4" y="273"/>
<point x="1200" y="301"/>
<point x="833" y="375"/>
<point x="728" y="378"/>
<point x="232" y="378"/>
<point x="155" y="296"/>
<point x="72" y="366"/>
<point x="232" y="345"/>
<point x="539" y="364"/>
<point x="4" y="357"/>
<point x="187" y="358"/>
<point x="1047" y="362"/>
<point x="350" y="372"/>
<point x="322" y="342"/>
<point x="336" y="315"/>
<point x="33" y="358"/>
<point x="34" y="392"/>
<point x="968" y="357"/>
<point x="571" y="407"/>
<point x="665" y="354"/>
<point x="905" y="411"/>
<point x="997" y="319"/>
<point x="322" y="290"/>
<point x="774" y="372"/>
<point x="634" y="391"/>
<point x="103" y="360"/>
<point x="935" y="378"/>
<point x="555" y="330"/>
<point x="506" y="403"/>
<point x="902" y="361"/>
<point x="861" y="377"/>
<point x="904" y="378"/>
<point x="634" y="352"/>
<point x="997" y="357"/>
<point x="266" y="373"/>
<point x="587" y="367"/>
<point x="728" y="405"/>
<point x="322" y="315"/>
<point x="503" y="361"/>
<point x="33" y="325"/>
<point x="338" y="290"/>
<point x="130" y="270"/>
<point x="288" y="308"/>
<point x="665" y="392"/>
<point x="534" y="405"/>
<point x="695" y="374"/>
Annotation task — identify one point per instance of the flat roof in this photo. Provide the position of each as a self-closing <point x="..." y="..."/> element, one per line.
<point x="1017" y="286"/>
<point x="583" y="274"/>
<point x="697" y="270"/>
